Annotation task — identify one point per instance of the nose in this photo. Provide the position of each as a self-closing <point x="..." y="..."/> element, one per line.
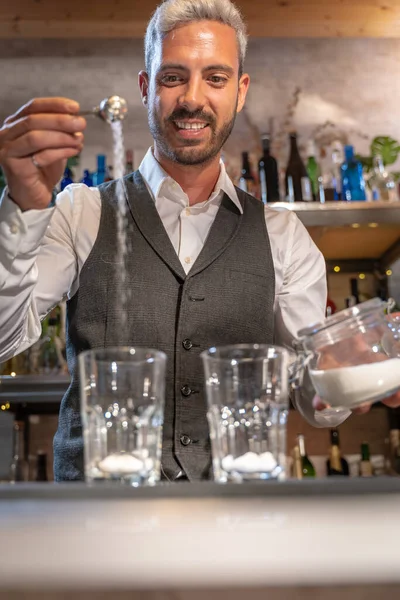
<point x="192" y="97"/>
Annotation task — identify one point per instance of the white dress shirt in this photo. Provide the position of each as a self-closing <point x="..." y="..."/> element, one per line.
<point x="42" y="253"/>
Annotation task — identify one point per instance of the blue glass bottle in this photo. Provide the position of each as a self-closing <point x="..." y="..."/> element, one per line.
<point x="99" y="175"/>
<point x="67" y="179"/>
<point x="87" y="178"/>
<point x="353" y="184"/>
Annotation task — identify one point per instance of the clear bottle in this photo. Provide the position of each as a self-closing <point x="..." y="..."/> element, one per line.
<point x="307" y="467"/>
<point x="247" y="182"/>
<point x="268" y="171"/>
<point x="109" y="173"/>
<point x="19" y="470"/>
<point x="332" y="178"/>
<point x="365" y="463"/>
<point x="298" y="185"/>
<point x="382" y="183"/>
<point x="336" y="464"/>
<point x="353" y="184"/>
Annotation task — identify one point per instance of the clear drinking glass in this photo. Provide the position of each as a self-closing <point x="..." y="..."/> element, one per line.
<point x="247" y="397"/>
<point x="122" y="408"/>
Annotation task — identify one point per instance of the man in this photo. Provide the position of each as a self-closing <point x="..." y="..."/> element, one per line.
<point x="208" y="264"/>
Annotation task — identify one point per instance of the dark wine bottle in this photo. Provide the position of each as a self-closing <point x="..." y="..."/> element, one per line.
<point x="41" y="467"/>
<point x="298" y="185"/>
<point x="336" y="464"/>
<point x="268" y="170"/>
<point x="247" y="182"/>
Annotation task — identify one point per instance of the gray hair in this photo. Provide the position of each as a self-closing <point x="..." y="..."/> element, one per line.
<point x="172" y="13"/>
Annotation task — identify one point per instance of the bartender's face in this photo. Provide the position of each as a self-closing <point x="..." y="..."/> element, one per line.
<point x="194" y="91"/>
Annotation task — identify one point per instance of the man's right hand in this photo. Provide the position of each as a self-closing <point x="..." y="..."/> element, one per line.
<point x="47" y="130"/>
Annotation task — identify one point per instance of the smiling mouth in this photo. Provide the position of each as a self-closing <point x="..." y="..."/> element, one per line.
<point x="190" y="126"/>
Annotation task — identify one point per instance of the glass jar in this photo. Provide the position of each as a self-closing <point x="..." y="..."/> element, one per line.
<point x="353" y="357"/>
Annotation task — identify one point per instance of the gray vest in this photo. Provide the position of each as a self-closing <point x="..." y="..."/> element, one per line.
<point x="226" y="298"/>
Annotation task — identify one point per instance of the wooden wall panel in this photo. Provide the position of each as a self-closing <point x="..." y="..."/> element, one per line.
<point x="266" y="18"/>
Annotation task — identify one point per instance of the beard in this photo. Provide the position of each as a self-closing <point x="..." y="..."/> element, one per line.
<point x="194" y="152"/>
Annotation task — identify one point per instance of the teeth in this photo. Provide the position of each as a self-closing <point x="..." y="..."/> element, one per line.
<point x="190" y="125"/>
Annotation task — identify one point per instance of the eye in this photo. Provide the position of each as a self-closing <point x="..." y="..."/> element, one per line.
<point x="171" y="80"/>
<point x="218" y="80"/>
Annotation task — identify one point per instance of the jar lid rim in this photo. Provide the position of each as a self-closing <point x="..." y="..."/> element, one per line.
<point x="343" y="315"/>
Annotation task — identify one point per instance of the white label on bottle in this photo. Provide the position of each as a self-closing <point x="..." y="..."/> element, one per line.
<point x="263" y="183"/>
<point x="243" y="184"/>
<point x="306" y="190"/>
<point x="290" y="196"/>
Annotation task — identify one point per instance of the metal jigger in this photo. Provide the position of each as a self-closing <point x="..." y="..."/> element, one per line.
<point x="110" y="109"/>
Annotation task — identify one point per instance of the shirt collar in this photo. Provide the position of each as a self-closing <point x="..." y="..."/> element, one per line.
<point x="155" y="178"/>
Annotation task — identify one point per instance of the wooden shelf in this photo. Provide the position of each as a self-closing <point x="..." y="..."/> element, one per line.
<point x="352" y="230"/>
<point x="265" y="18"/>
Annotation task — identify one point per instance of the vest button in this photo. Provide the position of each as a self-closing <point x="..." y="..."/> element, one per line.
<point x="186" y="390"/>
<point x="185" y="440"/>
<point x="187" y="344"/>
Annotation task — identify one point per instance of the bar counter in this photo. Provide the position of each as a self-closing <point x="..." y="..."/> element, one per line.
<point x="294" y="539"/>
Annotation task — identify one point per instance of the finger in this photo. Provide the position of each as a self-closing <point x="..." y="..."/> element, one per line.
<point x="318" y="404"/>
<point x="36" y="141"/>
<point x="392" y="401"/>
<point x="45" y="105"/>
<point x="362" y="410"/>
<point x="48" y="157"/>
<point x="41" y="122"/>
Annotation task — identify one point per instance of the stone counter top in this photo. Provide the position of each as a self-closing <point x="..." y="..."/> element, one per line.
<point x="197" y="536"/>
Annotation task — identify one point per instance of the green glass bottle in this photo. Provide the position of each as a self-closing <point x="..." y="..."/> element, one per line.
<point x="306" y="464"/>
<point x="313" y="170"/>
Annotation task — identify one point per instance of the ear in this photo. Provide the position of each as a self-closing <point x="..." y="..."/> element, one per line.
<point x="244" y="83"/>
<point x="143" y="81"/>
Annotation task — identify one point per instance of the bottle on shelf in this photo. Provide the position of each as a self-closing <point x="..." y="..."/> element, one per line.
<point x="394" y="441"/>
<point x="297" y="469"/>
<point x="19" y="470"/>
<point x="67" y="179"/>
<point x="100" y="174"/>
<point x="365" y="463"/>
<point x="247" y="182"/>
<point x="129" y="162"/>
<point x="307" y="467"/>
<point x="353" y="184"/>
<point x="336" y="464"/>
<point x="298" y="185"/>
<point x="268" y="171"/>
<point x="382" y="183"/>
<point x="332" y="178"/>
<point x="314" y="172"/>
<point x="354" y="290"/>
<point x="51" y="359"/>
<point x="87" y="179"/>
<point x="41" y="466"/>
<point x="109" y="173"/>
